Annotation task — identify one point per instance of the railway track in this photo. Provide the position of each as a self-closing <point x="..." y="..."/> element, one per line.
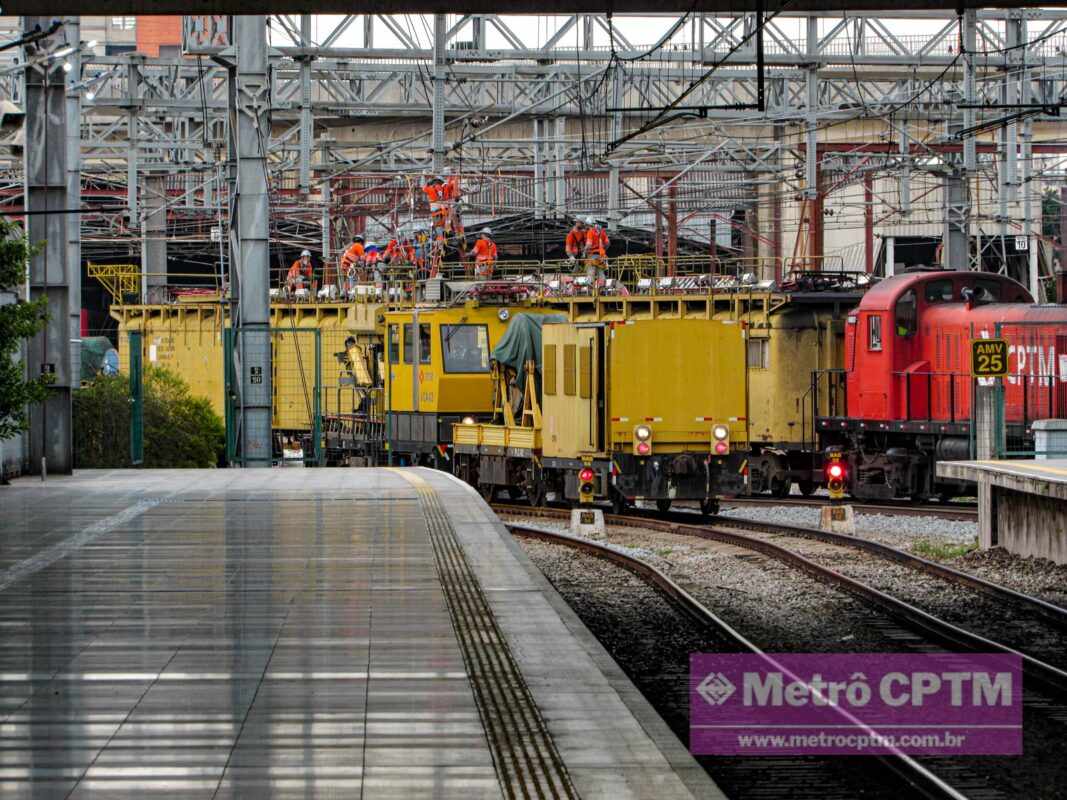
<point x="896" y="776"/>
<point x="1052" y="676"/>
<point x="964" y="512"/>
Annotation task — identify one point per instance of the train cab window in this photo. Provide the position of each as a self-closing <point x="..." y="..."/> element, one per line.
<point x="874" y="332"/>
<point x="394" y="344"/>
<point x="906" y="319"/>
<point x="424" y="343"/>
<point x="465" y="348"/>
<point x="939" y="292"/>
<point x="986" y="291"/>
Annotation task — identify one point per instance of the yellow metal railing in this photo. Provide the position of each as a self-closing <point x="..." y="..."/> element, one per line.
<point x="120" y="280"/>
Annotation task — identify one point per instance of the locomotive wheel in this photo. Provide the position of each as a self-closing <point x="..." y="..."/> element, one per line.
<point x="663" y="505"/>
<point x="807" y="488"/>
<point x="709" y="507"/>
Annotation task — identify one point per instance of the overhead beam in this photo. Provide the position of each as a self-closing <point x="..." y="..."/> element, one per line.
<point x="542" y="7"/>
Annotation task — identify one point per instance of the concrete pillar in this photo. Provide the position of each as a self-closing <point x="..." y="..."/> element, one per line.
<point x="989" y="443"/>
<point x="154" y="238"/>
<point x="46" y="177"/>
<point x="72" y="27"/>
<point x="249" y="128"/>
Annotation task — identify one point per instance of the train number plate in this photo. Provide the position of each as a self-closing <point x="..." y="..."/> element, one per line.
<point x="989" y="358"/>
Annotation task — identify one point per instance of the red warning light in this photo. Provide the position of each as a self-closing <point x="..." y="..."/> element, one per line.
<point x="643" y="448"/>
<point x="722" y="448"/>
<point x="836" y="471"/>
<point x="586" y="475"/>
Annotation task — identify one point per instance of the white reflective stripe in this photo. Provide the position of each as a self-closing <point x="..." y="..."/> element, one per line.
<point x="51" y="555"/>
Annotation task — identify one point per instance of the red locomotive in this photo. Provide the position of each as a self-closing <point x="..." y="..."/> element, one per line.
<point x="903" y="400"/>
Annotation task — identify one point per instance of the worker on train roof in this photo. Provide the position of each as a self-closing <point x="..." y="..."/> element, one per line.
<point x="300" y="269"/>
<point x="574" y="245"/>
<point x="484" y="254"/>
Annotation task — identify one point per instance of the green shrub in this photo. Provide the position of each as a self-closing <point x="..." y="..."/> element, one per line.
<point x="180" y="430"/>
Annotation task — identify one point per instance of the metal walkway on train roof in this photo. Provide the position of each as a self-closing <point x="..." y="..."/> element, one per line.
<point x="300" y="633"/>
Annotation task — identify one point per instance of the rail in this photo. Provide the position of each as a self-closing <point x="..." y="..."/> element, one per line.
<point x="918" y="777"/>
<point x="725" y="530"/>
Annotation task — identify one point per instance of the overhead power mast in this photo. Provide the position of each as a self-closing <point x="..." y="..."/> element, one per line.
<point x="54" y="267"/>
<point x="249" y="132"/>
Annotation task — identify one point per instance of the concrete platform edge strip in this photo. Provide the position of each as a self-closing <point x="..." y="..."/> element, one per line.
<point x="695" y="779"/>
<point x="527" y="762"/>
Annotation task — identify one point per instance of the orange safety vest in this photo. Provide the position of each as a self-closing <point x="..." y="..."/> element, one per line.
<point x="298" y="268"/>
<point x="353" y="254"/>
<point x="484" y="250"/>
<point x="450" y="190"/>
<point x="596" y="241"/>
<point x="435" y="192"/>
<point x="575" y="240"/>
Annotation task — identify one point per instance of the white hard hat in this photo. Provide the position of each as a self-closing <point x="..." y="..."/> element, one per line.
<point x="305" y="253"/>
<point x="487" y="231"/>
<point x="590" y="221"/>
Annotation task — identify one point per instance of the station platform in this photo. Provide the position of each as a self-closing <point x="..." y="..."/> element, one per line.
<point x="301" y="633"/>
<point x="1022" y="504"/>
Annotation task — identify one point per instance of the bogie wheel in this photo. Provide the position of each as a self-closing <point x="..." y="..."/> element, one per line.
<point x="780" y="487"/>
<point x="663" y="505"/>
<point x="807" y="488"/>
<point x="709" y="507"/>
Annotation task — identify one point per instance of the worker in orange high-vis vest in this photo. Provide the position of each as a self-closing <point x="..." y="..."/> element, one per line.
<point x="436" y="193"/>
<point x="352" y="261"/>
<point x="596" y="251"/>
<point x="300" y="271"/>
<point x="484" y="255"/>
<point x="452" y="193"/>
<point x="574" y="244"/>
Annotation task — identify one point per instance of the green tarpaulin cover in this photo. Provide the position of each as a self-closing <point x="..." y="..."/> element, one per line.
<point x="522" y="341"/>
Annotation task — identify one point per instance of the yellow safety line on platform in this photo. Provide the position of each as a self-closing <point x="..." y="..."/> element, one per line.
<point x="1017" y="465"/>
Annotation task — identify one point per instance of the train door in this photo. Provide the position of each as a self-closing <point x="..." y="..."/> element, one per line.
<point x="572" y="421"/>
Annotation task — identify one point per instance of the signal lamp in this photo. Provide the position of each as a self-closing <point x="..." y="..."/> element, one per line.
<point x="642" y="443"/>
<point x="720" y="432"/>
<point x="586" y="487"/>
<point x="721" y="448"/>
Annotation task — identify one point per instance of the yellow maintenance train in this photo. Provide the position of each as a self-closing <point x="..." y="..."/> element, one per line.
<point x="366" y="382"/>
